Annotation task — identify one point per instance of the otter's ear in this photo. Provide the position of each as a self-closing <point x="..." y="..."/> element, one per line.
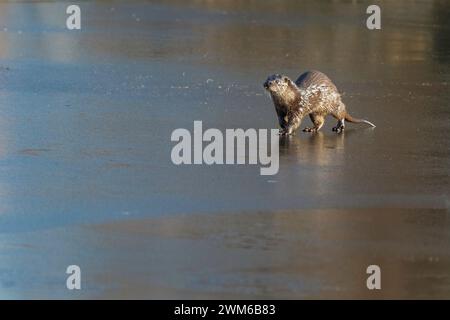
<point x="286" y="79"/>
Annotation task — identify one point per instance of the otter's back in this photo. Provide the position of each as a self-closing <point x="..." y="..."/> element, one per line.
<point x="311" y="78"/>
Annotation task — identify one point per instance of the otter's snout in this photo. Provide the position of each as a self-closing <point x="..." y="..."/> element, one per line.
<point x="273" y="82"/>
<point x="269" y="84"/>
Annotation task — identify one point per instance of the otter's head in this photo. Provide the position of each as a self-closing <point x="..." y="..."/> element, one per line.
<point x="277" y="84"/>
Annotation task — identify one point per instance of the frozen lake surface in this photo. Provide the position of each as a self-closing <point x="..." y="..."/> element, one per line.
<point x="86" y="176"/>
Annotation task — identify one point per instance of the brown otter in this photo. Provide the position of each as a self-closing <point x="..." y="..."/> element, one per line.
<point x="314" y="94"/>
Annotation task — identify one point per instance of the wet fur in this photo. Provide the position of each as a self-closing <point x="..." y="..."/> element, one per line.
<point x="313" y="94"/>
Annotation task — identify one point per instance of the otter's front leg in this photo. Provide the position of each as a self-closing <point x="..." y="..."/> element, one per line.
<point x="282" y="120"/>
<point x="292" y="124"/>
<point x="289" y="122"/>
<point x="288" y="125"/>
<point x="318" y="121"/>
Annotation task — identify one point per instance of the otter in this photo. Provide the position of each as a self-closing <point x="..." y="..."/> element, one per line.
<point x="313" y="94"/>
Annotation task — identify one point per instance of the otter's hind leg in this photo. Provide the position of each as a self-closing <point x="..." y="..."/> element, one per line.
<point x="340" y="115"/>
<point x="318" y="120"/>
<point x="340" y="126"/>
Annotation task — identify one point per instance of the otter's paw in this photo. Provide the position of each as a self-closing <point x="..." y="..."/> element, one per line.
<point x="338" y="129"/>
<point x="285" y="132"/>
<point x="307" y="129"/>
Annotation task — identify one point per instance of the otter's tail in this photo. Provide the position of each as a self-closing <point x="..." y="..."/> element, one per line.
<point x="349" y="118"/>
